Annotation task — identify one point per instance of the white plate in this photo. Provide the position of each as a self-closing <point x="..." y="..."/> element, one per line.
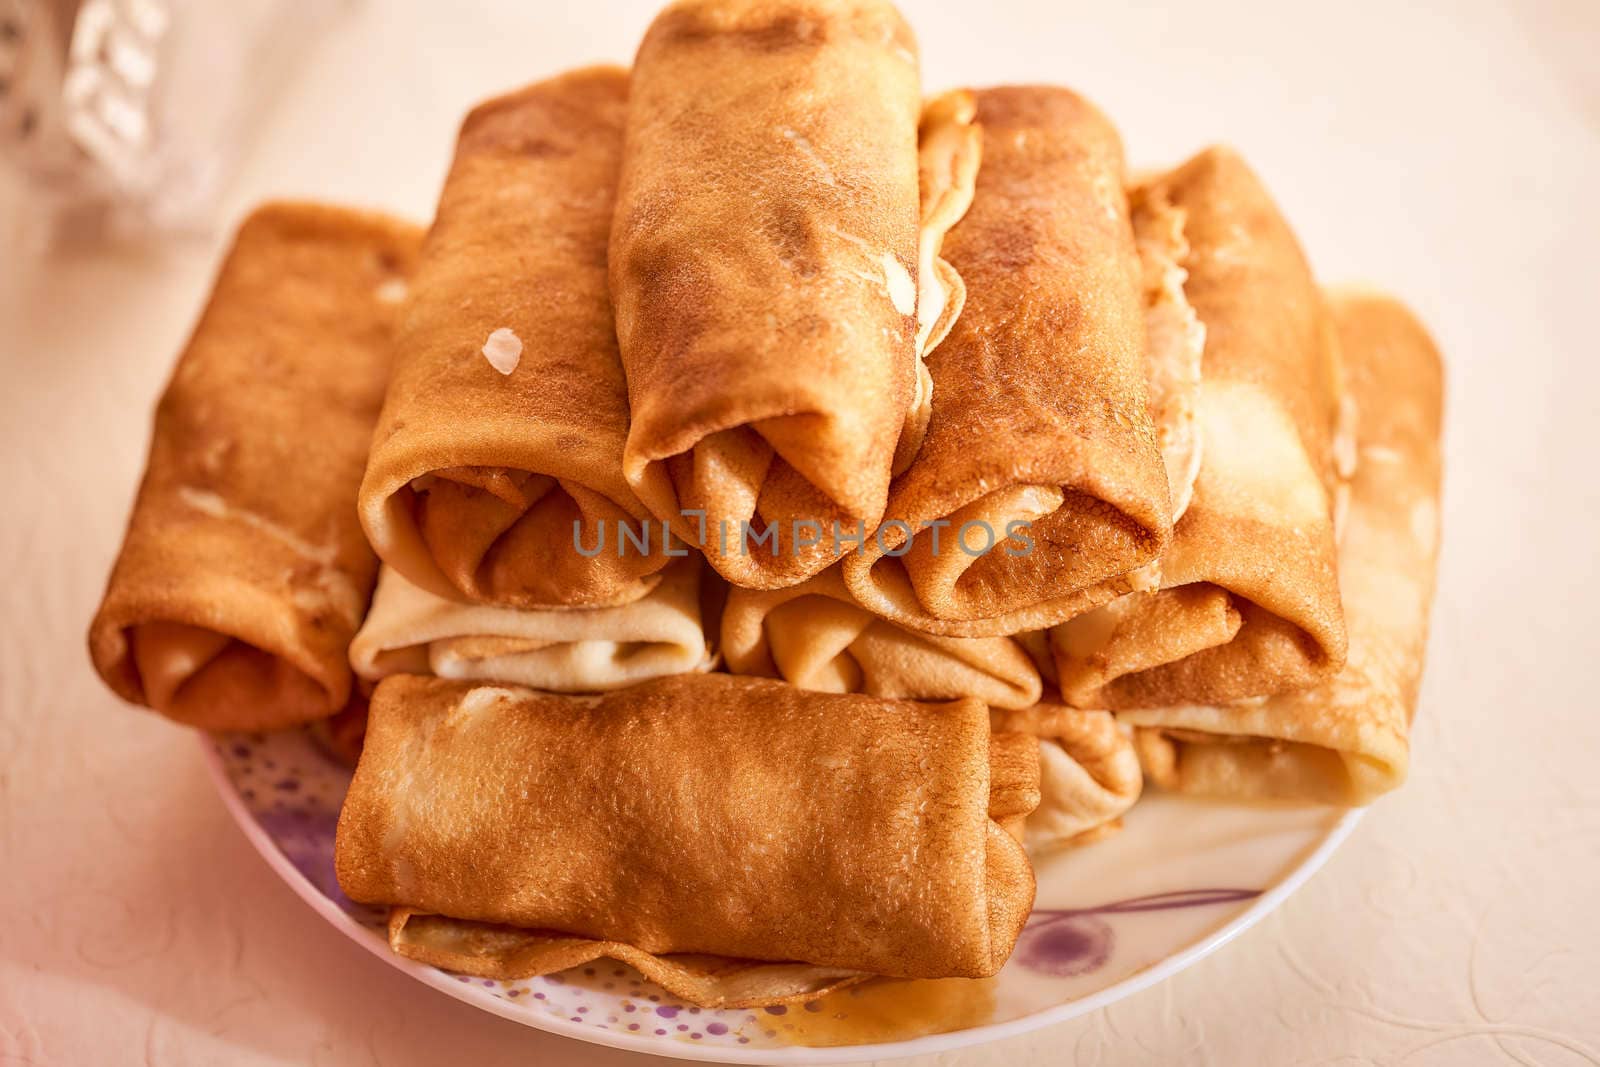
<point x="1180" y="880"/>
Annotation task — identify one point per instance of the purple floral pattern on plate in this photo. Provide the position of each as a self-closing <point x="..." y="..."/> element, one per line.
<point x="1070" y="942"/>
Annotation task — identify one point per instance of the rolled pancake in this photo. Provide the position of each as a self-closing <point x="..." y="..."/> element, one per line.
<point x="243" y="573"/>
<point x="814" y="635"/>
<point x="568" y="650"/>
<point x="1089" y="773"/>
<point x="499" y="451"/>
<point x="1039" y="402"/>
<point x="508" y="953"/>
<point x="1249" y="598"/>
<point x="1346" y="740"/>
<point x="764" y="265"/>
<point x="705" y="814"/>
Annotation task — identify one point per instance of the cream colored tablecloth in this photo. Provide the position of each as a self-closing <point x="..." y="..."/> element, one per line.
<point x="1453" y="158"/>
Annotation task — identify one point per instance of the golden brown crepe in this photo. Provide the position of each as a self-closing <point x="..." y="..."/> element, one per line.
<point x="706" y="814"/>
<point x="567" y="650"/>
<point x="1344" y="741"/>
<point x="505" y="422"/>
<point x="1039" y="404"/>
<point x="244" y="574"/>
<point x="1088" y="773"/>
<point x="814" y="635"/>
<point x="1249" y="597"/>
<point x="510" y="953"/>
<point x="764" y="263"/>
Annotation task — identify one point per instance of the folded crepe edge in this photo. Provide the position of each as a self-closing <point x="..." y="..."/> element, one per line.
<point x="385" y="500"/>
<point x="228" y="606"/>
<point x="1174" y="338"/>
<point x="888" y="594"/>
<point x="1089" y="773"/>
<point x="406" y="617"/>
<point x="1086" y="648"/>
<point x="949" y="153"/>
<point x="488" y="950"/>
<point x="747" y="643"/>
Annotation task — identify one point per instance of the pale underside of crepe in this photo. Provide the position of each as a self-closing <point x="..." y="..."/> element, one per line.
<point x="949" y="152"/>
<point x="815" y="636"/>
<point x="1174" y="345"/>
<point x="1249" y="603"/>
<point x="507" y="953"/>
<point x="1344" y="741"/>
<point x="772" y="334"/>
<point x="1089" y="773"/>
<point x="677" y="863"/>
<point x="569" y="650"/>
<point x="479" y="472"/>
<point x="244" y="573"/>
<point x="1039" y="415"/>
<point x="487" y="950"/>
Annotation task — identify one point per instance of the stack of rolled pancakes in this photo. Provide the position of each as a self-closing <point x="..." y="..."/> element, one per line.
<point x="767" y="509"/>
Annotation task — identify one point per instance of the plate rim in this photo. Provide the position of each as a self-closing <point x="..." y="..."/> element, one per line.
<point x="1259" y="908"/>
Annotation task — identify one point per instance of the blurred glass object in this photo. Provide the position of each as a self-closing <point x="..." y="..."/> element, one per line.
<point x="123" y="118"/>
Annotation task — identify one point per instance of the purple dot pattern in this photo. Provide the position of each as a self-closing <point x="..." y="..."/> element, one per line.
<point x="293" y="790"/>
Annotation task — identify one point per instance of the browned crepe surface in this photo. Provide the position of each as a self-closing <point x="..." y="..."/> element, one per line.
<point x="1039" y="407"/>
<point x="1344" y="741"/>
<point x="706" y="814"/>
<point x="244" y="573"/>
<point x="477" y="477"/>
<point x="763" y="264"/>
<point x="814" y="635"/>
<point x="1249" y="604"/>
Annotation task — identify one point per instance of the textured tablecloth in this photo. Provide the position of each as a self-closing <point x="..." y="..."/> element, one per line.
<point x="1452" y="158"/>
